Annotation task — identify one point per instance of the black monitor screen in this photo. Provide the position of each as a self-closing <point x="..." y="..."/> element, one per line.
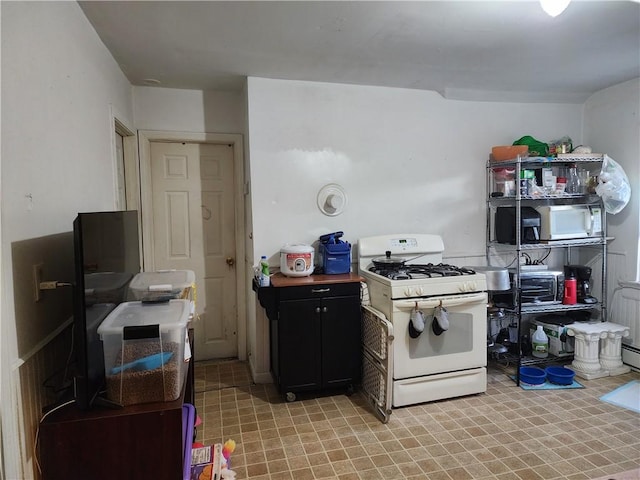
<point x="107" y="257"/>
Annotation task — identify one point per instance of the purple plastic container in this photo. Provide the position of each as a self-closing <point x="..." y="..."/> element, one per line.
<point x="188" y="422"/>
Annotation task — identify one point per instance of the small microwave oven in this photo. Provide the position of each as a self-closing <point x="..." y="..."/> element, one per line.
<point x="564" y="222"/>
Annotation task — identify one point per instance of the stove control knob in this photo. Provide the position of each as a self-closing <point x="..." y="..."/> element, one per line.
<point x="419" y="291"/>
<point x="408" y="292"/>
<point x="468" y="286"/>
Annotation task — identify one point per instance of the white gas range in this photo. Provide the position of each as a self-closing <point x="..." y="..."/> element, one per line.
<point x="438" y="313"/>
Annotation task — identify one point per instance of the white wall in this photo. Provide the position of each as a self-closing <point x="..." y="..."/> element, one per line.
<point x="409" y="160"/>
<point x="60" y="86"/>
<point x="612" y="126"/>
<point x="194" y="111"/>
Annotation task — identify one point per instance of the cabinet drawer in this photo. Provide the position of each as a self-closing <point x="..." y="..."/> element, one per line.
<point x="320" y="290"/>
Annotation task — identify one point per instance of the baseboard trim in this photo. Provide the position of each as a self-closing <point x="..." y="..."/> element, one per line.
<point x="260" y="377"/>
<point x="631" y="357"/>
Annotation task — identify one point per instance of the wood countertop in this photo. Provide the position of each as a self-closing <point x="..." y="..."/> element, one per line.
<point x="280" y="280"/>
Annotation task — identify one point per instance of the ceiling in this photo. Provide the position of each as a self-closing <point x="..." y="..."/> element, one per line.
<point x="474" y="50"/>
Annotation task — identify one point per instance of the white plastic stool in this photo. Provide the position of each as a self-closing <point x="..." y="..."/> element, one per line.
<point x="593" y="358"/>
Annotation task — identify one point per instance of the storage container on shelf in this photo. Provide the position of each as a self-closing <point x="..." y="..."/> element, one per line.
<point x="540" y="343"/>
<point x="560" y="343"/>
<point x="144" y="351"/>
<point x="106" y="287"/>
<point x="164" y="284"/>
<point x="334" y="254"/>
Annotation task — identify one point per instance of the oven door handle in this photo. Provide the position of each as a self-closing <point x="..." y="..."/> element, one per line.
<point x="445" y="302"/>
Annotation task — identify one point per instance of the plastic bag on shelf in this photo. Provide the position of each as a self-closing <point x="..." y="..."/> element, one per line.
<point x="613" y="186"/>
<point x="536" y="147"/>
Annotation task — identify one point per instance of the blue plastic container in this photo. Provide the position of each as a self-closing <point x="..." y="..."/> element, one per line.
<point x="560" y="375"/>
<point x="334" y="254"/>
<point x="532" y="375"/>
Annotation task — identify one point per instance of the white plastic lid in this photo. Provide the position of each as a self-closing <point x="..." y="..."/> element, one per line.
<point x="163" y="280"/>
<point x="297" y="248"/>
<point x="106" y="281"/>
<point x="168" y="315"/>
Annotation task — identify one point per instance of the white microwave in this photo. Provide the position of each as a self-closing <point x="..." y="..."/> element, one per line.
<point x="564" y="222"/>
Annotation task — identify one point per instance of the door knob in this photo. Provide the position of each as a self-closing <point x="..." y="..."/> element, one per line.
<point x="231" y="261"/>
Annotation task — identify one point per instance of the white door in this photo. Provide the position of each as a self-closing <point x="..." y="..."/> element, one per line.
<point x="194" y="229"/>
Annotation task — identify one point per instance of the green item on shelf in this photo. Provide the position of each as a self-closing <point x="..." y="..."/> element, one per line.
<point x="536" y="147"/>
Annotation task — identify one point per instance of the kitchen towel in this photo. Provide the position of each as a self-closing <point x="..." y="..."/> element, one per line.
<point x="626" y="396"/>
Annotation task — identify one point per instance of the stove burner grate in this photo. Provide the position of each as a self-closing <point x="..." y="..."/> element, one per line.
<point x="429" y="270"/>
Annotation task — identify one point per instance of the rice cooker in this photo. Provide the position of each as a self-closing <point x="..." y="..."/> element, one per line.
<point x="296" y="260"/>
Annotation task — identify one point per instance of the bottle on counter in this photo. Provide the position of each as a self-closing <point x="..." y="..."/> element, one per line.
<point x="570" y="290"/>
<point x="548" y="179"/>
<point x="573" y="180"/>
<point x="540" y="343"/>
<point x="265" y="279"/>
<point x="561" y="185"/>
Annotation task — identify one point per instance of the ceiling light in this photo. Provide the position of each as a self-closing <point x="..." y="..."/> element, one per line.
<point x="151" y="82"/>
<point x="554" y="7"/>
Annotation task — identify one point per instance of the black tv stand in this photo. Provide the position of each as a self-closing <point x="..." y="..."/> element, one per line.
<point x="104" y="443"/>
<point x="104" y="402"/>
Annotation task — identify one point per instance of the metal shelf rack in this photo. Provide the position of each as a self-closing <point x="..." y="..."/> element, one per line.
<point x="515" y="251"/>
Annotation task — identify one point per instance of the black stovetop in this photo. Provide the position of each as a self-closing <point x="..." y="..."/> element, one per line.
<point x="415" y="271"/>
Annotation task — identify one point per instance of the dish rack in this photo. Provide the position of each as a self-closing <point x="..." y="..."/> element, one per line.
<point x="377" y="362"/>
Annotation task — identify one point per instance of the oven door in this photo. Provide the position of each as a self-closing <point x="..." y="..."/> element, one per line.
<point x="462" y="346"/>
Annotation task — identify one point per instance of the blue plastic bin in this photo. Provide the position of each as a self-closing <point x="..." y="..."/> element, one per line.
<point x="335" y="258"/>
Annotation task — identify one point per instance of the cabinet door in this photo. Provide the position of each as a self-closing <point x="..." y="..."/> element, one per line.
<point x="299" y="345"/>
<point x="341" y="341"/>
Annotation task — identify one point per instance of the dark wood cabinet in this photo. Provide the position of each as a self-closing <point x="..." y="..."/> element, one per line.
<point x="135" y="442"/>
<point x="297" y="346"/>
<point x="315" y="332"/>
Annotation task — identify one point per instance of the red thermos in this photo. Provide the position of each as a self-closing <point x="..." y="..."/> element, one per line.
<point x="570" y="291"/>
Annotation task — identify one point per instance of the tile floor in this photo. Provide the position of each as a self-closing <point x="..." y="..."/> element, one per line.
<point x="507" y="433"/>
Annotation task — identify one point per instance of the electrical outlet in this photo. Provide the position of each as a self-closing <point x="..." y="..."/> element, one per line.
<point x="37" y="278"/>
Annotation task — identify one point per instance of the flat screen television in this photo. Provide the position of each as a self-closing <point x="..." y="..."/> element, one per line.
<point x="106" y="258"/>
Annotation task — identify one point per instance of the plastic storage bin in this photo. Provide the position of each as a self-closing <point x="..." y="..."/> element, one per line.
<point x="106" y="287"/>
<point x="163" y="284"/>
<point x="143" y="347"/>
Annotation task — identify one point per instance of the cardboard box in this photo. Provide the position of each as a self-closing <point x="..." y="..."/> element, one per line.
<point x="557" y="347"/>
<point x="206" y="462"/>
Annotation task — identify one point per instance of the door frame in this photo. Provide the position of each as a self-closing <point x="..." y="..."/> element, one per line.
<point x="130" y="164"/>
<point x="145" y="137"/>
